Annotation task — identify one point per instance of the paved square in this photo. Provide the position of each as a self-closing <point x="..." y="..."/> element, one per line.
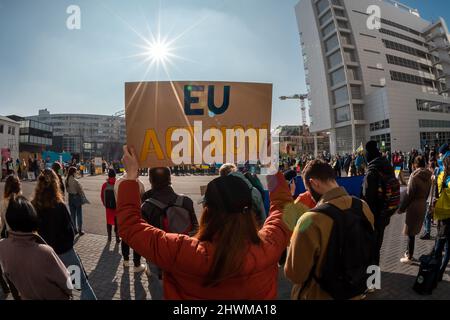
<point x="110" y="281"/>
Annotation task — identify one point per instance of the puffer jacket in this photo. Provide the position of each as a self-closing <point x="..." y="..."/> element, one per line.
<point x="187" y="261"/>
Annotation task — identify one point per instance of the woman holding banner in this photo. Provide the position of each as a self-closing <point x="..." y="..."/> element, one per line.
<point x="228" y="258"/>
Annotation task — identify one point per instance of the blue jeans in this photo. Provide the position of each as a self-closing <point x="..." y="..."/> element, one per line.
<point x="427" y="221"/>
<point x="76" y="212"/>
<point x="71" y="258"/>
<point x="442" y="245"/>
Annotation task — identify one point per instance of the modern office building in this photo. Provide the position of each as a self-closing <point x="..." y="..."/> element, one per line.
<point x="9" y="139"/>
<point x="86" y="135"/>
<point x="34" y="137"/>
<point x="384" y="78"/>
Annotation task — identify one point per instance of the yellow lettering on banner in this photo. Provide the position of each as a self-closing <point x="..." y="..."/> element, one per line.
<point x="151" y="145"/>
<point x="169" y="142"/>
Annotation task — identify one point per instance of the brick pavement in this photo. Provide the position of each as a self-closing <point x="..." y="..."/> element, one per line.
<point x="104" y="266"/>
<point x="110" y="281"/>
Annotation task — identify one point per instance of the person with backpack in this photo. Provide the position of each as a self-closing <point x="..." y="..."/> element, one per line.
<point x="381" y="191"/>
<point x="414" y="203"/>
<point x="166" y="210"/>
<point x="109" y="202"/>
<point x="229" y="258"/>
<point x="56" y="228"/>
<point x="332" y="244"/>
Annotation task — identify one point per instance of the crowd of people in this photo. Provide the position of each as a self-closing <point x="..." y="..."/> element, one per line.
<point x="324" y="238"/>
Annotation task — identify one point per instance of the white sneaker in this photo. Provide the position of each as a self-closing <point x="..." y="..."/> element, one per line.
<point x="126" y="263"/>
<point x="141" y="268"/>
<point x="406" y="260"/>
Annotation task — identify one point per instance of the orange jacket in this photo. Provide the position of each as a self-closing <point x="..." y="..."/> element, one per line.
<point x="186" y="261"/>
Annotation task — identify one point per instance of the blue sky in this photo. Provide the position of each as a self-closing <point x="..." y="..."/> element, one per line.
<point x="43" y="64"/>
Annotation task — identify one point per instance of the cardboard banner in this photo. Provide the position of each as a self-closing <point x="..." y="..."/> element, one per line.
<point x="197" y="123"/>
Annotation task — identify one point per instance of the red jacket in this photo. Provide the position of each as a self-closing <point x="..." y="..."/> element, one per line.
<point x="186" y="261"/>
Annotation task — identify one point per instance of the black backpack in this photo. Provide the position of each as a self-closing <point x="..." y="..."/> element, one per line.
<point x="110" y="198"/>
<point x="172" y="217"/>
<point x="350" y="251"/>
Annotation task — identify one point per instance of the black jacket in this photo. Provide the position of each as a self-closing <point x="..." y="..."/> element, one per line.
<point x="372" y="183"/>
<point x="168" y="196"/>
<point x="55" y="227"/>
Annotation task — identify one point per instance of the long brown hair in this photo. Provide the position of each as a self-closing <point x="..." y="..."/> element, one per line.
<point x="12" y="187"/>
<point x="48" y="192"/>
<point x="231" y="233"/>
<point x="70" y="173"/>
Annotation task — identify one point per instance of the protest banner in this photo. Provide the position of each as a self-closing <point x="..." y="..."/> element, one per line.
<point x="196" y="123"/>
<point x="353" y="185"/>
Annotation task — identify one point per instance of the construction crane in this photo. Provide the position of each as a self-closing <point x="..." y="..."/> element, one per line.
<point x="302" y="98"/>
<point x="120" y="113"/>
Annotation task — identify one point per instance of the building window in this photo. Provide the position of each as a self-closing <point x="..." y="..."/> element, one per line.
<point x="345" y="39"/>
<point x="380" y="125"/>
<point x="402" y="48"/>
<point x="338" y="76"/>
<point x="410" y="78"/>
<point x="339" y="12"/>
<point x="433" y="106"/>
<point x="358" y="111"/>
<point x="331" y="43"/>
<point x="384" y="141"/>
<point x="344" y="139"/>
<point x="401" y="36"/>
<point x="433" y="138"/>
<point x="426" y="123"/>
<point x="328" y="29"/>
<point x="325" y="17"/>
<point x="342" y="114"/>
<point x="1" y="128"/>
<point x="340" y="95"/>
<point x="322" y="5"/>
<point x="406" y="63"/>
<point x="335" y="59"/>
<point x="356" y="92"/>
<point x="401" y="27"/>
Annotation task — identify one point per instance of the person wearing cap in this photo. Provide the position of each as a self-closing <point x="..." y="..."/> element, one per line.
<point x="111" y="219"/>
<point x="370" y="193"/>
<point x="229" y="258"/>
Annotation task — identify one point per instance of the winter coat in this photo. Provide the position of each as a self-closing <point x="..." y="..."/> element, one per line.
<point x="34" y="268"/>
<point x="371" y="189"/>
<point x="55" y="227"/>
<point x="187" y="261"/>
<point x="415" y="201"/>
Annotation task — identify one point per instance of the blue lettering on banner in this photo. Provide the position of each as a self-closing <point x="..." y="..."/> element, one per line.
<point x="189" y="100"/>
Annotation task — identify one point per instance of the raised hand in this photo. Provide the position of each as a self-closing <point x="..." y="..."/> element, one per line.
<point x="131" y="163"/>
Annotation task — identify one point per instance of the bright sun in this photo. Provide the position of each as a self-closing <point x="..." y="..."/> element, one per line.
<point x="159" y="52"/>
